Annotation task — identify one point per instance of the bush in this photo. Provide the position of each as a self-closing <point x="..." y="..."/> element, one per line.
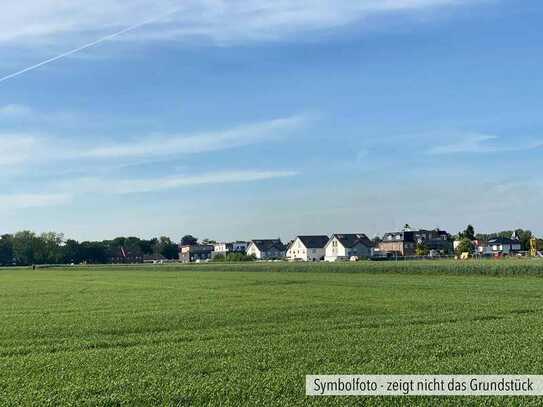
<point x="465" y="246"/>
<point x="233" y="257"/>
<point x="219" y="258"/>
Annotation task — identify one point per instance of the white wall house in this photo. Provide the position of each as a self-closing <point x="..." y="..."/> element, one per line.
<point x="342" y="247"/>
<point x="269" y="249"/>
<point x="307" y="248"/>
<point x="499" y="246"/>
<point x="231" y="247"/>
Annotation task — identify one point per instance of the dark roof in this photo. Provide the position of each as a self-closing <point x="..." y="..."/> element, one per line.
<point x="503" y="240"/>
<point x="410" y="235"/>
<point x="314" y="242"/>
<point x="122" y="251"/>
<point x="352" y="239"/>
<point x="267" y="244"/>
<point x="405" y="236"/>
<point x="200" y="248"/>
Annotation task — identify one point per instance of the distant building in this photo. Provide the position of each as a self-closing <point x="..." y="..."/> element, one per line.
<point x="121" y="255"/>
<point x="307" y="248"/>
<point x="267" y="249"/>
<point x="405" y="243"/>
<point x="499" y="246"/>
<point x="238" y="247"/>
<point x="155" y="258"/>
<point x="344" y="246"/>
<point x="222" y="249"/>
<point x="195" y="253"/>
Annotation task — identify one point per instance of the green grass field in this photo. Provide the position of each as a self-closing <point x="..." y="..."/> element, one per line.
<point x="248" y="334"/>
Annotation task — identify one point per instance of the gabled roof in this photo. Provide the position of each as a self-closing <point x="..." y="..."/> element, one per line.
<point x="267" y="244"/>
<point x="351" y="240"/>
<point x="200" y="248"/>
<point x="314" y="242"/>
<point x="406" y="236"/>
<point x="503" y="240"/>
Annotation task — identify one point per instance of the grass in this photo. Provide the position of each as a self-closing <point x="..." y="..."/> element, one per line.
<point x="196" y="335"/>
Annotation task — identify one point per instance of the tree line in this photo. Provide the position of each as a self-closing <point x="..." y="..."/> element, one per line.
<point x="26" y="248"/>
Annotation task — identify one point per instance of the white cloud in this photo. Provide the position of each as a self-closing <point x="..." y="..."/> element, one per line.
<point x="128" y="186"/>
<point x="17" y="148"/>
<point x="22" y="201"/>
<point x="223" y="177"/>
<point x="221" y="21"/>
<point x="476" y="143"/>
<point x="38" y="150"/>
<point x="202" y="142"/>
<point x="484" y="143"/>
<point x="15" y="111"/>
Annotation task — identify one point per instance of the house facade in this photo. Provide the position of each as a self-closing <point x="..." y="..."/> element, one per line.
<point x="195" y="253"/>
<point x="399" y="243"/>
<point x="501" y="246"/>
<point x="239" y="247"/>
<point x="267" y="249"/>
<point x="405" y="243"/>
<point x="222" y="249"/>
<point x="307" y="248"/>
<point x="341" y="247"/>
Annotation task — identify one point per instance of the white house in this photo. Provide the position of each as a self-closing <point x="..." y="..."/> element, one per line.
<point x="269" y="249"/>
<point x="307" y="248"/>
<point x="231" y="247"/>
<point x="499" y="246"/>
<point x="344" y="246"/>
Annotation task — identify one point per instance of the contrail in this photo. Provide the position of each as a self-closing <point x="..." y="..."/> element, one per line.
<point x="89" y="45"/>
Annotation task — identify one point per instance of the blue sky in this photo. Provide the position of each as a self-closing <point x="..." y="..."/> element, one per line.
<point x="240" y="119"/>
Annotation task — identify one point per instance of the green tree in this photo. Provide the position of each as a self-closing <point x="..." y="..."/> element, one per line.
<point x="94" y="252"/>
<point x="469" y="233"/>
<point x="148" y="246"/>
<point x="422" y="250"/>
<point x="170" y="251"/>
<point x="188" y="240"/>
<point x="167" y="248"/>
<point x="524" y="236"/>
<point x="6" y="250"/>
<point x="47" y="248"/>
<point x="71" y="252"/>
<point x="23" y="247"/>
<point x="465" y="246"/>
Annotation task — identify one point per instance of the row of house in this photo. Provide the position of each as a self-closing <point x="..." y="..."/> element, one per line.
<point x="335" y="248"/>
<point x="348" y="246"/>
<point x="303" y="248"/>
<point x="499" y="246"/>
<point x="204" y="252"/>
<point x="339" y="247"/>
